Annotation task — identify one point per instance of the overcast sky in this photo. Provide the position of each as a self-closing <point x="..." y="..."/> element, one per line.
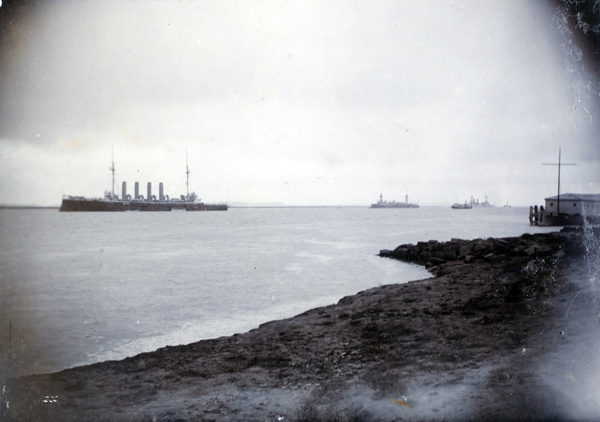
<point x="300" y="102"/>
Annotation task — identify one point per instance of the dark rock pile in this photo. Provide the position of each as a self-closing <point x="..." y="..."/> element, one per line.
<point x="433" y="253"/>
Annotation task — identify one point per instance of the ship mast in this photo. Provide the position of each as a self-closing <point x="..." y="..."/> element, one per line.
<point x="187" y="175"/>
<point x="112" y="169"/>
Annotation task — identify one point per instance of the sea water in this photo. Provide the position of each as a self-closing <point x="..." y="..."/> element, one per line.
<point x="78" y="288"/>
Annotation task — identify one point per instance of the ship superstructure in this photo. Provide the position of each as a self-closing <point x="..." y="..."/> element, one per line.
<point x="476" y="204"/>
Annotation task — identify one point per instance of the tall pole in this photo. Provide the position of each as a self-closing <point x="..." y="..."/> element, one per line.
<point x="10" y="340"/>
<point x="558" y="189"/>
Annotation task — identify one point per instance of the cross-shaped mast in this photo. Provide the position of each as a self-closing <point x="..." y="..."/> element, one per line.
<point x="559" y="164"/>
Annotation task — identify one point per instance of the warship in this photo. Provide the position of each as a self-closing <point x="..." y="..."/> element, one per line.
<point x="393" y="204"/>
<point x="137" y="202"/>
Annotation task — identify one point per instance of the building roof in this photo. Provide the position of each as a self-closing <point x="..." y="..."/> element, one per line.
<point x="594" y="197"/>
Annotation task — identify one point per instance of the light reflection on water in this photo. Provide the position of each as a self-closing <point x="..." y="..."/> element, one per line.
<point x="84" y="287"/>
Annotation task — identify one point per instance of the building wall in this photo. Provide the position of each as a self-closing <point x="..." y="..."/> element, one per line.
<point x="574" y="206"/>
<point x="591" y="209"/>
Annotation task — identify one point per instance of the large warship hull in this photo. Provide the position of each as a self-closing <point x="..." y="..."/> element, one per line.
<point x="76" y="204"/>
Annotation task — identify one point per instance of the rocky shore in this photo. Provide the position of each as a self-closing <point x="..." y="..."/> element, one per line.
<point x="506" y="329"/>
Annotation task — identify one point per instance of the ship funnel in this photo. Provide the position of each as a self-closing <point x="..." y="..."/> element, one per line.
<point x="161" y="194"/>
<point x="124" y="191"/>
<point x="149" y="190"/>
<point x="137" y="190"/>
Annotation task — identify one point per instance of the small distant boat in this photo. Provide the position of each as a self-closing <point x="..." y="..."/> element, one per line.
<point x="507" y="206"/>
<point x="465" y="206"/>
<point x="393" y="204"/>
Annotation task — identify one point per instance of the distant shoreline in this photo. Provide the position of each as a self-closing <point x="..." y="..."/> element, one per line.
<point x="28" y="207"/>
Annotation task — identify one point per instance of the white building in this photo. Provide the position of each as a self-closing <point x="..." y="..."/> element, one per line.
<point x="585" y="205"/>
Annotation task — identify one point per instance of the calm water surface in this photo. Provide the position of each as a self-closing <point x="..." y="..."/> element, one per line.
<point x="79" y="288"/>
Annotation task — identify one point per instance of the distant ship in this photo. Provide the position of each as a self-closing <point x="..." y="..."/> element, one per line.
<point x="111" y="202"/>
<point x="465" y="206"/>
<point x="393" y="204"/>
<point x="476" y="204"/>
